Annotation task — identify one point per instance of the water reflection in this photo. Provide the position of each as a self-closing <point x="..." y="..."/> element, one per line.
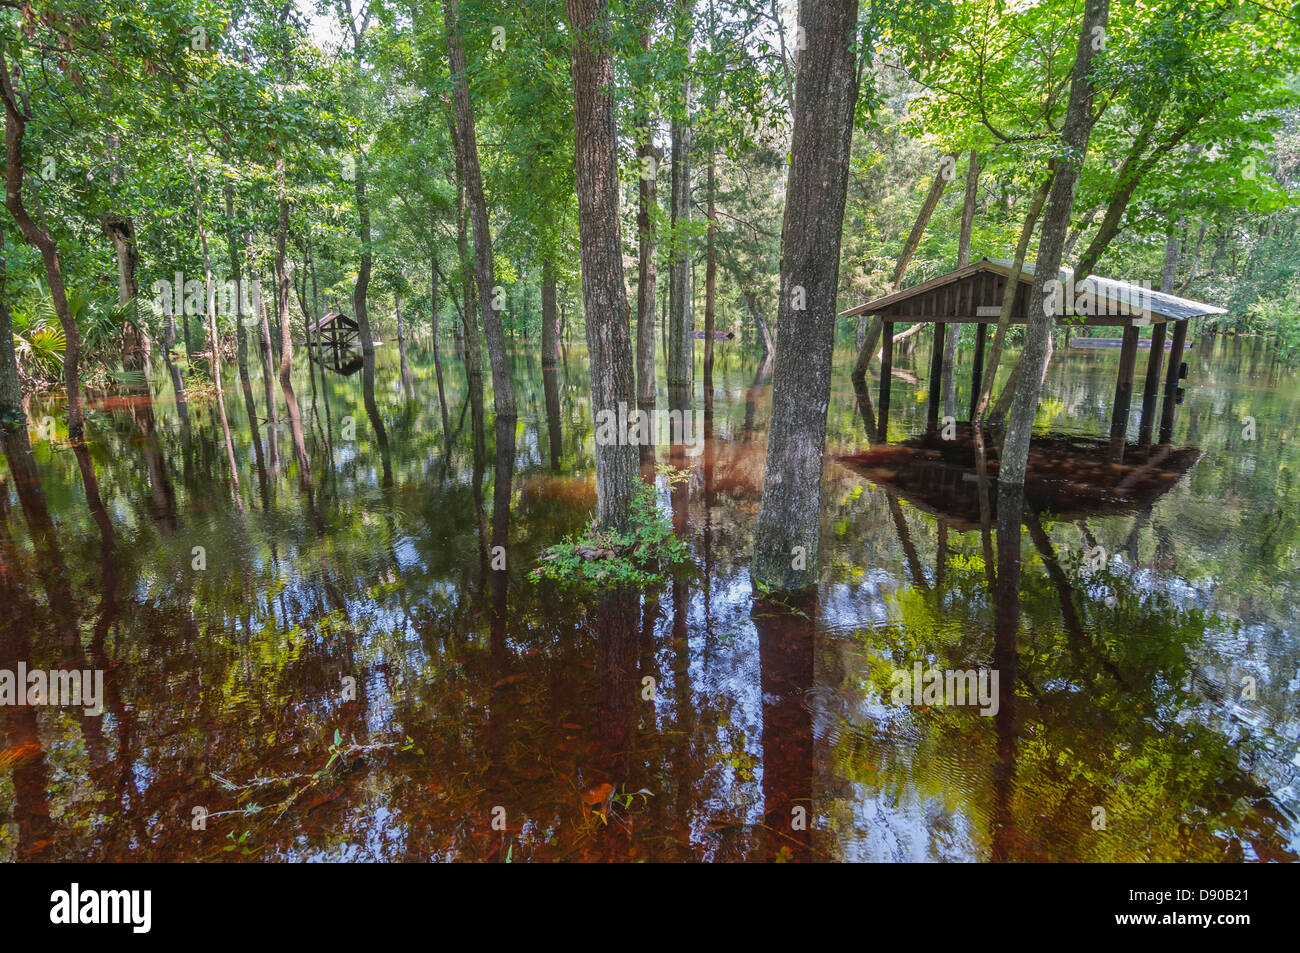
<point x="381" y="591"/>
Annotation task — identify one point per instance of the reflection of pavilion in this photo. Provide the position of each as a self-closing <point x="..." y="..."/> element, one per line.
<point x="1067" y="476"/>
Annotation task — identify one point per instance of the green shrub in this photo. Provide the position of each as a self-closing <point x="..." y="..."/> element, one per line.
<point x="603" y="559"/>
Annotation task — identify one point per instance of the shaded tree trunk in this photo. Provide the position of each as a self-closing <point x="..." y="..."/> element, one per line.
<point x="647" y="273"/>
<point x="963" y="259"/>
<point x="867" y="342"/>
<point x="34" y="235"/>
<point x="503" y="392"/>
<point x="604" y="297"/>
<point x="710" y="270"/>
<point x="826" y="91"/>
<point x="135" y="343"/>
<point x="11" y="395"/>
<point x="214" y="343"/>
<point x="1056" y="222"/>
<point x="550" y="320"/>
<point x="679" y="369"/>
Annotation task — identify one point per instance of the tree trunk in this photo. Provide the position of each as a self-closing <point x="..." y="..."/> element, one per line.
<point x="503" y="392"/>
<point x="764" y="333"/>
<point x="469" y="308"/>
<point x="272" y="407"/>
<point x="135" y="343"/>
<point x="647" y="272"/>
<point x="241" y="333"/>
<point x="826" y="91"/>
<point x="867" y="349"/>
<point x="604" y="297"/>
<point x="990" y="372"/>
<point x="11" y="395"/>
<point x="282" y="271"/>
<point x="1056" y="222"/>
<point x="710" y="271"/>
<point x="214" y="344"/>
<point x="437" y="357"/>
<point x="680" y="366"/>
<point x="963" y="259"/>
<point x="550" y="320"/>
<point x="33" y="234"/>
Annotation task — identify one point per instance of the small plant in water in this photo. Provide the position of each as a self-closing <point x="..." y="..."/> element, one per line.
<point x="600" y="559"/>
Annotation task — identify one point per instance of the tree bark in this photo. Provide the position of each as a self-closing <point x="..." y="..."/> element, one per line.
<point x="550" y="318"/>
<point x="680" y="367"/>
<point x="11" y="395"/>
<point x="503" y="392"/>
<point x="34" y="235"/>
<point x="214" y="343"/>
<point x="241" y="333"/>
<point x="867" y="349"/>
<point x="710" y="269"/>
<point x="604" y="297"/>
<point x="963" y="259"/>
<point x="647" y="273"/>
<point x="1056" y="222"/>
<point x="135" y="343"/>
<point x="826" y="91"/>
<point x="990" y="372"/>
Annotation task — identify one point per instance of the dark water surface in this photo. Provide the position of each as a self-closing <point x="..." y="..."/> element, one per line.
<point x="1148" y="704"/>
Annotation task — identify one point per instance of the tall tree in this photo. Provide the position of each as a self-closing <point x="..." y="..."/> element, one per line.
<point x="1079" y="119"/>
<point x="680" y="366"/>
<point x="503" y="391"/>
<point x="826" y="93"/>
<point x="16" y="119"/>
<point x="603" y="294"/>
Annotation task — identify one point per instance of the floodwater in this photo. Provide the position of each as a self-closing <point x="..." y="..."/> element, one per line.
<point x="326" y="664"/>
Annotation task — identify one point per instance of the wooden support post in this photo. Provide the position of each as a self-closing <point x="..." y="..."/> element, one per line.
<point x="886" y="376"/>
<point x="936" y="377"/>
<point x="1171" y="381"/>
<point x="1151" y="386"/>
<point x="977" y="370"/>
<point x="1123" y="392"/>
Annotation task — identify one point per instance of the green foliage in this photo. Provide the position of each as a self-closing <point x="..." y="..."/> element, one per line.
<point x="605" y="559"/>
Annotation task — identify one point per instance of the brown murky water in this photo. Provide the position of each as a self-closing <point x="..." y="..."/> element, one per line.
<point x="340" y="673"/>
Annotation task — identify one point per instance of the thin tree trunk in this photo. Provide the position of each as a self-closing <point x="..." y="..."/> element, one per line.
<point x="990" y="372"/>
<point x="437" y="357"/>
<point x="604" y="297"/>
<point x="680" y="369"/>
<point x="503" y="391"/>
<point x="826" y="91"/>
<point x="963" y="259"/>
<point x="33" y="234"/>
<point x="135" y="343"/>
<point x="241" y="334"/>
<point x="1196" y="262"/>
<point x="1056" y="222"/>
<point x="710" y="270"/>
<point x="647" y="272"/>
<point x="268" y="353"/>
<point x="11" y="396"/>
<point x="867" y="348"/>
<point x="214" y="343"/>
<point x="550" y="322"/>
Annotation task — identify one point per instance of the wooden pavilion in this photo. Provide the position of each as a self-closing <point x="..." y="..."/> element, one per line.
<point x="331" y="343"/>
<point x="973" y="295"/>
